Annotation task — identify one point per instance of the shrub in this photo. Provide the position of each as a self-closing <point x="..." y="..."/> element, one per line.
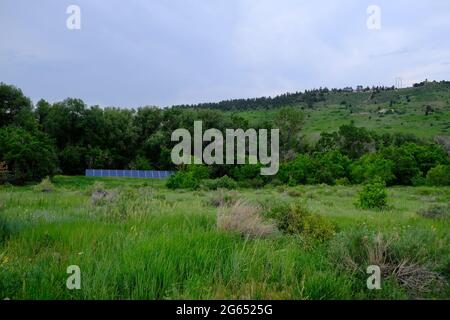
<point x="355" y="250"/>
<point x="244" y="219"/>
<point x="294" y="193"/>
<point x="439" y="176"/>
<point x="418" y="181"/>
<point x="296" y="219"/>
<point x="435" y="212"/>
<point x="140" y="163"/>
<point x="373" y="195"/>
<point x="100" y="196"/>
<point x="224" y="182"/>
<point x="45" y="185"/>
<point x="246" y="172"/>
<point x="189" y="177"/>
<point x="343" y="181"/>
<point x="182" y="180"/>
<point x="223" y="199"/>
<point x="198" y="171"/>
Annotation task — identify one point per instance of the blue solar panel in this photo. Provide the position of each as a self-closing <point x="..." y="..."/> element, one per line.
<point x="153" y="174"/>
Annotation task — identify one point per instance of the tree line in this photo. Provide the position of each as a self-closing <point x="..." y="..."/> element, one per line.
<point x="68" y="137"/>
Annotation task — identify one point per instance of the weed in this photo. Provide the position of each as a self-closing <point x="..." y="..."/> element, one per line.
<point x="243" y="218"/>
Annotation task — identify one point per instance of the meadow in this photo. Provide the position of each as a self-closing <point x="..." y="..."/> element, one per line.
<point x="144" y="241"/>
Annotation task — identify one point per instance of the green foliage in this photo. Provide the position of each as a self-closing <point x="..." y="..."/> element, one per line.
<point x="289" y="121"/>
<point x="296" y="219"/>
<point x="4" y="173"/>
<point x="246" y="172"/>
<point x="182" y="180"/>
<point x="113" y="138"/>
<point x="352" y="141"/>
<point x="320" y="168"/>
<point x="224" y="182"/>
<point x="330" y="166"/>
<point x="343" y="181"/>
<point x="189" y="177"/>
<point x="371" y="166"/>
<point x="373" y="195"/>
<point x="405" y="165"/>
<point x="15" y="108"/>
<point x="439" y="176"/>
<point x="297" y="171"/>
<point x="140" y="163"/>
<point x="30" y="157"/>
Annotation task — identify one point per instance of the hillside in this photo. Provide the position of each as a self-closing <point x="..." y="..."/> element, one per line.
<point x="423" y="111"/>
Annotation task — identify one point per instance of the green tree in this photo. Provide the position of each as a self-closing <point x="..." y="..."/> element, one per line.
<point x="30" y="157"/>
<point x="370" y="166"/>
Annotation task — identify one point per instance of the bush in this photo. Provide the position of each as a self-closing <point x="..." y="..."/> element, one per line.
<point x="436" y="212"/>
<point x="189" y="177"/>
<point x="246" y="172"/>
<point x="343" y="182"/>
<point x="182" y="180"/>
<point x="140" y="163"/>
<point x="399" y="258"/>
<point x="418" y="181"/>
<point x="244" y="219"/>
<point x="296" y="219"/>
<point x="45" y="185"/>
<point x="439" y="176"/>
<point x="373" y="195"/>
<point x="224" y="182"/>
<point x="100" y="196"/>
<point x="223" y="199"/>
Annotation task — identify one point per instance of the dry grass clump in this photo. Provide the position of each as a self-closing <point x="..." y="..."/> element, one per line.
<point x="223" y="198"/>
<point x="294" y="193"/>
<point x="440" y="211"/>
<point x="45" y="186"/>
<point x="100" y="195"/>
<point x="244" y="218"/>
<point x="355" y="253"/>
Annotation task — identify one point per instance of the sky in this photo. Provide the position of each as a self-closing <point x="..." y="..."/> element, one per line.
<point x="162" y="52"/>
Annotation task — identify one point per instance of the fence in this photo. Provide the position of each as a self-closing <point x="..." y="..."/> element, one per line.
<point x="152" y="174"/>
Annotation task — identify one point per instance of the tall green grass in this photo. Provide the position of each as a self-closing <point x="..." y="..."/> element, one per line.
<point x="153" y="243"/>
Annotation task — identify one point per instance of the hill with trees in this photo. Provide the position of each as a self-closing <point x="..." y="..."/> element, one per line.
<point x="336" y="132"/>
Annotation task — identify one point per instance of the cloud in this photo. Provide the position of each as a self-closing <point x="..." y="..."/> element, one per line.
<point x="162" y="52"/>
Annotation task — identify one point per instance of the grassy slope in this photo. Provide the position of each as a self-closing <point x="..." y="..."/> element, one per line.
<point x="409" y="117"/>
<point x="157" y="243"/>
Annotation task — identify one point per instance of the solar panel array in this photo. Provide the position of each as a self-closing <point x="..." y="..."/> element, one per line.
<point x="153" y="174"/>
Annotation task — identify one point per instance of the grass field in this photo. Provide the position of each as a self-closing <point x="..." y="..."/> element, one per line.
<point x="148" y="242"/>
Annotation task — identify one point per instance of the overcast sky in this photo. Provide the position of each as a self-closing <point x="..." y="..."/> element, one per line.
<point x="163" y="52"/>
